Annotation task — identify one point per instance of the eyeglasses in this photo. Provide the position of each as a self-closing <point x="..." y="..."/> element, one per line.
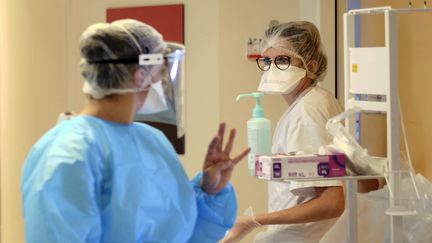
<point x="281" y="62"/>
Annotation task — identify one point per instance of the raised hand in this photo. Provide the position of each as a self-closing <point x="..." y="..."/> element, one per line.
<point x="218" y="165"/>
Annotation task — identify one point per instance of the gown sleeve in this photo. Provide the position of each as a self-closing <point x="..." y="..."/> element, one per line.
<point x="59" y="200"/>
<point x="216" y="213"/>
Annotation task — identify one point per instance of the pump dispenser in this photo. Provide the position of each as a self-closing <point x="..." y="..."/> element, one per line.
<point x="258" y="128"/>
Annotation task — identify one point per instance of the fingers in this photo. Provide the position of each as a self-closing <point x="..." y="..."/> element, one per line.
<point x="241" y="156"/>
<point x="221" y="166"/>
<point x="230" y="143"/>
<point x="221" y="134"/>
<point x="216" y="176"/>
<point x="214" y="144"/>
<point x="239" y="231"/>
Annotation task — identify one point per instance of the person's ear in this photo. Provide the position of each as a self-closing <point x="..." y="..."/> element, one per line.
<point x="312" y="66"/>
<point x="139" y="77"/>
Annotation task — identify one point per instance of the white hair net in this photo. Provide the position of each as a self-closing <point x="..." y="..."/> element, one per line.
<point x="122" y="39"/>
<point x="302" y="39"/>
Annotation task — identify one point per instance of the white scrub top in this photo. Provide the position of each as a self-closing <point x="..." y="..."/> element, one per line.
<point x="301" y="128"/>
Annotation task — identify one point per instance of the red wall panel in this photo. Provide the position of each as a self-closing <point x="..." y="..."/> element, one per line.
<point x="167" y="19"/>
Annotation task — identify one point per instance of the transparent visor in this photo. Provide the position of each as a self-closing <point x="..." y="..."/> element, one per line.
<point x="169" y="92"/>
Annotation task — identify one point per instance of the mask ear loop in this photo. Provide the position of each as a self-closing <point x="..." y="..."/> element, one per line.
<point x="143" y="81"/>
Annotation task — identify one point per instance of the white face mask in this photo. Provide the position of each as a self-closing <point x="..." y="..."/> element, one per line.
<point x="155" y="101"/>
<point x="276" y="81"/>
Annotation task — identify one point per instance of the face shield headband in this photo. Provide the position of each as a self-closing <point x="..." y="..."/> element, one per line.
<point x="142" y="60"/>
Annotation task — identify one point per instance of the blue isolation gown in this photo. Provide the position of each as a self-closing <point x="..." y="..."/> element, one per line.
<point x="90" y="180"/>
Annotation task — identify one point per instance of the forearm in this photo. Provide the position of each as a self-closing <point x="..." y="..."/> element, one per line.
<point x="329" y="204"/>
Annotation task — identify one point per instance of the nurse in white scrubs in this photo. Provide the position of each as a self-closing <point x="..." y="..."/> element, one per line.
<point x="293" y="62"/>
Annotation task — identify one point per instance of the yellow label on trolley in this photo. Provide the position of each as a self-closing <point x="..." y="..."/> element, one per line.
<point x="354" y="68"/>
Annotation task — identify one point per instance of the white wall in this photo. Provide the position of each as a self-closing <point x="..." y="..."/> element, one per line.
<point x="2" y="77"/>
<point x="39" y="77"/>
<point x="322" y="14"/>
<point x="32" y="92"/>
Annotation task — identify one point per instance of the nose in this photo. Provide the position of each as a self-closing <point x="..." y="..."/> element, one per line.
<point x="273" y="74"/>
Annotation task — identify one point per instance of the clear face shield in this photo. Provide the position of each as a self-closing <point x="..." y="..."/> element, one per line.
<point x="166" y="98"/>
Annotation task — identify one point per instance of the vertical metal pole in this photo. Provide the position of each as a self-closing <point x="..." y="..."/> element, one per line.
<point x="351" y="206"/>
<point x="347" y="43"/>
<point x="351" y="192"/>
<point x="349" y="35"/>
<point x="356" y="28"/>
<point x="391" y="41"/>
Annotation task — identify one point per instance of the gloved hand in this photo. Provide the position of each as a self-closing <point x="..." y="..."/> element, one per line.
<point x="243" y="226"/>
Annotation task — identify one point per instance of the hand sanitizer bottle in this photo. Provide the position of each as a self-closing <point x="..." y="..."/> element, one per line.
<point x="258" y="130"/>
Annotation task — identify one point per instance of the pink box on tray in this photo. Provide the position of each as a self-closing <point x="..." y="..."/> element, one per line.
<point x="300" y="166"/>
